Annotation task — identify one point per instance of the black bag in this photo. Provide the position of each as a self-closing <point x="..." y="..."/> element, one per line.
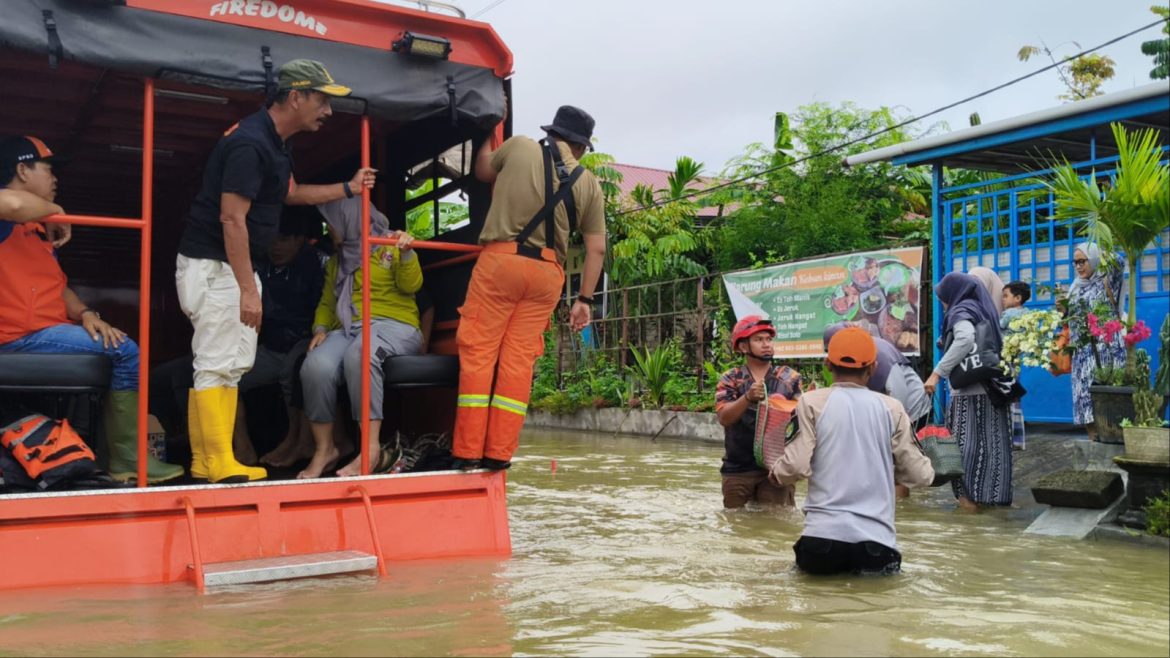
<point x="981" y="364"/>
<point x="1004" y="391"/>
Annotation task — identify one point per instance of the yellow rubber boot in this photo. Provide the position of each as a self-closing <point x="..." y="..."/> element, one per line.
<point x="195" y="432"/>
<point x="217" y="420"/>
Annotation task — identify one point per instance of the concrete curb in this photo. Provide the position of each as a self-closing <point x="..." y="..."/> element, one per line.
<point x="684" y="425"/>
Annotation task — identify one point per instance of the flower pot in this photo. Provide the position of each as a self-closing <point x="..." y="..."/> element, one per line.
<point x="1150" y="444"/>
<point x="1111" y="405"/>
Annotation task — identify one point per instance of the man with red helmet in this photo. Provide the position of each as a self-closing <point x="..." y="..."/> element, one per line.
<point x="740" y="390"/>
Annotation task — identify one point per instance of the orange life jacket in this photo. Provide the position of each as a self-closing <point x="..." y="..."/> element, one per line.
<point x="46" y="449"/>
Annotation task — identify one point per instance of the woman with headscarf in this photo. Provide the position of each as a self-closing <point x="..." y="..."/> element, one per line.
<point x="994" y="287"/>
<point x="983" y="430"/>
<point x="992" y="284"/>
<point x="335" y="351"/>
<point x="1096" y="283"/>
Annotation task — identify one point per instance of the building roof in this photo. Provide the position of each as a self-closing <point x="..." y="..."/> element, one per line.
<point x="658" y="179"/>
<point x="1025" y="142"/>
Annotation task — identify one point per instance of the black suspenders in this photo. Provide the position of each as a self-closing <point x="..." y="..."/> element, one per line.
<point x="564" y="194"/>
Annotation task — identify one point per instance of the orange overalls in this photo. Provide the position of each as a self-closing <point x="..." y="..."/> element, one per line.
<point x="513" y="291"/>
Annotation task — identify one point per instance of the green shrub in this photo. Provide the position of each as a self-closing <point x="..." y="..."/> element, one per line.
<point x="1158" y="515"/>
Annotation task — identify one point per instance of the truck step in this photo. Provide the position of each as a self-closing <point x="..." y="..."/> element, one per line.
<point x="286" y="567"/>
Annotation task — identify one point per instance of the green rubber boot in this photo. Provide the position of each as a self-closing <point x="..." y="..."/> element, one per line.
<point x="121" y="421"/>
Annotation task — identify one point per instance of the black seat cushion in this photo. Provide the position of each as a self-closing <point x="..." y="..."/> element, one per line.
<point x="65" y="373"/>
<point x="421" y="371"/>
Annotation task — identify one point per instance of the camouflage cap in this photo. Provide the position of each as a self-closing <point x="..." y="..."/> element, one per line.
<point x="302" y="74"/>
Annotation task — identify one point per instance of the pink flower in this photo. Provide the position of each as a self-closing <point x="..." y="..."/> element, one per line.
<point x="1137" y="334"/>
<point x="1094" y="329"/>
<point x="1112" y="328"/>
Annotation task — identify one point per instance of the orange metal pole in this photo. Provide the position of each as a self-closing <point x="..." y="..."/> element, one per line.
<point x="92" y="220"/>
<point x="365" y="256"/>
<point x="193" y="537"/>
<point x="448" y="262"/>
<point x="369" y="505"/>
<point x="144" y="272"/>
<point x="431" y="244"/>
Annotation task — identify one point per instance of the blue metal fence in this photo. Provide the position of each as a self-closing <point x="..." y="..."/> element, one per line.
<point x="1005" y="224"/>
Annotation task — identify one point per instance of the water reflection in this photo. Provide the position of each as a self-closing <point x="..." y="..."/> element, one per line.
<point x="626" y="550"/>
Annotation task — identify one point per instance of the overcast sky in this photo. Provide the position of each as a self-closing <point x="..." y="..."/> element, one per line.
<point x="666" y="78"/>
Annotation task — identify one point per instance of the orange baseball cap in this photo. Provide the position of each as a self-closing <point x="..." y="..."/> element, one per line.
<point x="852" y="347"/>
<point x="14" y="150"/>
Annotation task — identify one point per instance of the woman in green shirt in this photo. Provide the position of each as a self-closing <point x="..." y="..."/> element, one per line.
<point x="335" y="351"/>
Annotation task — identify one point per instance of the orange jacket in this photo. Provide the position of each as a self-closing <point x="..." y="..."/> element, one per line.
<point x="31" y="281"/>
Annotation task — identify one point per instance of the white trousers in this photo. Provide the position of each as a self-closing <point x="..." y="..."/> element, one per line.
<point x="224" y="347"/>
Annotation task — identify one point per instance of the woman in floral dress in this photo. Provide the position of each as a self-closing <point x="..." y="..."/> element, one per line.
<point x="1096" y="283"/>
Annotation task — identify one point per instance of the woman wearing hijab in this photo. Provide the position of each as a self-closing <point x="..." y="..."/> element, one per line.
<point x="994" y="287"/>
<point x="992" y="284"/>
<point x="1094" y="284"/>
<point x="983" y="430"/>
<point x="335" y="351"/>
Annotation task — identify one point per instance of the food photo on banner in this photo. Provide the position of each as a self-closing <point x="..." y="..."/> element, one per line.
<point x="876" y="290"/>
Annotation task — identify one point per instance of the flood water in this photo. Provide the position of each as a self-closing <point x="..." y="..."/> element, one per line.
<point x="627" y="551"/>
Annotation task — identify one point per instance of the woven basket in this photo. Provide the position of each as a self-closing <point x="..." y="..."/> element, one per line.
<point x="942" y="450"/>
<point x="775" y="424"/>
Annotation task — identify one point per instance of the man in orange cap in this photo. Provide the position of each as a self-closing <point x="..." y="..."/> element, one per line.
<point x="540" y="193"/>
<point x="853" y="445"/>
<point x="739" y="392"/>
<point x="40" y="313"/>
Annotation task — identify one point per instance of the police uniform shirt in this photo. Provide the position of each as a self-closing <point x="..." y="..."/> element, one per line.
<point x="251" y="160"/>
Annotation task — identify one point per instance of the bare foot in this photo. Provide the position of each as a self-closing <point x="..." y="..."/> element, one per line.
<point x="966" y="505"/>
<point x="287" y="453"/>
<point x="321" y="462"/>
<point x="354" y="468"/>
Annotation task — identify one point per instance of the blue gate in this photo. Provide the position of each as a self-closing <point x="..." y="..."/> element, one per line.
<point x="1005" y="225"/>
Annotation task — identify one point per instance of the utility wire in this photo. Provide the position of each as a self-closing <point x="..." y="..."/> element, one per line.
<point x="838" y="147"/>
<point x="488" y="8"/>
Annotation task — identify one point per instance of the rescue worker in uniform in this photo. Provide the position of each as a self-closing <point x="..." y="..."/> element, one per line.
<point x="541" y="194"/>
<point x="40" y="314"/>
<point x="232" y="222"/>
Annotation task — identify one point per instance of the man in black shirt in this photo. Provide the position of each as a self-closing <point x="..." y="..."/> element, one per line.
<point x="232" y="221"/>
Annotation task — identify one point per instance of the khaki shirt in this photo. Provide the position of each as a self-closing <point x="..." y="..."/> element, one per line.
<point x="519" y="194"/>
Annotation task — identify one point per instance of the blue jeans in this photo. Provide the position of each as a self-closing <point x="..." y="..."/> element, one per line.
<point x="72" y="339"/>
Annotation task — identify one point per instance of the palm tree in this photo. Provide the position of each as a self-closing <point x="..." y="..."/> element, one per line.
<point x="1130" y="212"/>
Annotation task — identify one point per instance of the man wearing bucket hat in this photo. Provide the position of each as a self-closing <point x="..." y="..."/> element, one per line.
<point x="852" y="445"/>
<point x="232" y="222"/>
<point x="39" y="313"/>
<point x="737" y="397"/>
<point x="541" y="195"/>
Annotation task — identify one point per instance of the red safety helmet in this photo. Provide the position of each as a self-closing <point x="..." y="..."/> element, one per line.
<point x="749" y="326"/>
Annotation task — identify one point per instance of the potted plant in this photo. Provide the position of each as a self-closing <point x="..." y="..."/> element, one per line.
<point x="1125" y="213"/>
<point x="1146" y="436"/>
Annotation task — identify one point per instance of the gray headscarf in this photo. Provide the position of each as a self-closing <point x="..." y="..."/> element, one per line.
<point x="992" y="283"/>
<point x="1093" y="253"/>
<point x="344" y="216"/>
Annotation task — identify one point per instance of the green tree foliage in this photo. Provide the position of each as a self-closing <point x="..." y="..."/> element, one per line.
<point x="1159" y="49"/>
<point x="420" y="221"/>
<point x="654" y="237"/>
<point x="818" y="205"/>
<point x="1082" y="76"/>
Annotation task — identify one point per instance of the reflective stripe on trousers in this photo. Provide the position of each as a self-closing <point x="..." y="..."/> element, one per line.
<point x="509" y="301"/>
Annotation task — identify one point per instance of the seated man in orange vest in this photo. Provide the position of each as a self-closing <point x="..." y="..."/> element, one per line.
<point x="40" y="314"/>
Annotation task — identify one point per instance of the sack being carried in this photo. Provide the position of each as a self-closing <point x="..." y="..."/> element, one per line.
<point x="38" y="453"/>
<point x="775" y="426"/>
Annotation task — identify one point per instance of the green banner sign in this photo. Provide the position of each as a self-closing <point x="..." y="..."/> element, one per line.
<point x="877" y="290"/>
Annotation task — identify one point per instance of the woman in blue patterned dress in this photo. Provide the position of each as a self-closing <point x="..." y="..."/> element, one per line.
<point x="1096" y="283"/>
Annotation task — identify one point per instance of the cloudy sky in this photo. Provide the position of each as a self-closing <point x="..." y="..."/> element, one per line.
<point x="666" y="78"/>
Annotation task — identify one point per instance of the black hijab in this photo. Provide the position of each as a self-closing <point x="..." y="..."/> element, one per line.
<point x="967" y="299"/>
